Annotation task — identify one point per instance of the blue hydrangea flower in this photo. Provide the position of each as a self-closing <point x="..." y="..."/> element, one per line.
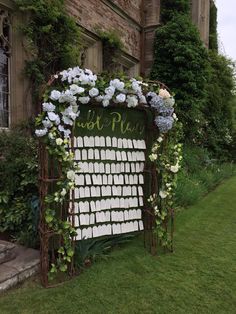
<point x="155" y="100"/>
<point x="166" y="111"/>
<point x="164" y="123"/>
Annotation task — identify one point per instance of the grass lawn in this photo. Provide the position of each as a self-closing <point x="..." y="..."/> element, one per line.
<point x="199" y="277"/>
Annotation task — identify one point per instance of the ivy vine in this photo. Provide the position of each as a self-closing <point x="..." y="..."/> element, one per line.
<point x="53" y="40"/>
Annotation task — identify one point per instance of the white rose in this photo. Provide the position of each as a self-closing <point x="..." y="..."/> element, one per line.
<point x="84" y="100"/>
<point x="121" y="98"/>
<point x="110" y="91"/>
<point x="59" y="141"/>
<point x="41" y="132"/>
<point x="63" y="192"/>
<point x="105" y="102"/>
<point x="164" y="93"/>
<point x="163" y="194"/>
<point x="55" y="95"/>
<point x="48" y="106"/>
<point x="132" y="101"/>
<point x="70" y="175"/>
<point x="175" y="168"/>
<point x="93" y="92"/>
<point x="75" y="89"/>
<point x="99" y="98"/>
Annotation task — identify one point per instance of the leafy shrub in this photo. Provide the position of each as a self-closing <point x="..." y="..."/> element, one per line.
<point x="199" y="175"/>
<point x="181" y="60"/>
<point x="18" y="184"/>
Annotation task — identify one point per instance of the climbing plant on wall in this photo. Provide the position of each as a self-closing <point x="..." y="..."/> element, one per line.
<point x="52" y="38"/>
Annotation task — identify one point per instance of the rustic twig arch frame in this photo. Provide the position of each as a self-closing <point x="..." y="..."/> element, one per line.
<point x="60" y="217"/>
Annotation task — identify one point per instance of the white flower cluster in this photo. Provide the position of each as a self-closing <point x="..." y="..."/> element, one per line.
<point x="82" y="90"/>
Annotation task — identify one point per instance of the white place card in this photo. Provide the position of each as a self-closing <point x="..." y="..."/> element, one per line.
<point x="125" y="143"/>
<point x="104" y="179"/>
<point x="118" y="168"/>
<point x="96" y="154"/>
<point x="110" y="179"/>
<point x="93" y="191"/>
<point x="77" y="154"/>
<point x="141" y="225"/>
<point x="98" y="205"/>
<point x="103" y="154"/>
<point x="123" y="156"/>
<point x="92" y="205"/>
<point x="87" y="192"/>
<point x="98" y="189"/>
<point x="86" y="141"/>
<point x="127" y="167"/>
<point x="102" y="141"/>
<point x="122" y="203"/>
<point x="92" y="219"/>
<point x="88" y="179"/>
<point x="81" y="192"/>
<point x="91" y="141"/>
<point x="122" y="167"/>
<point x="120" y="143"/>
<point x="84" y="155"/>
<point x="108" y="141"/>
<point x="118" y="156"/>
<point x="135" y="179"/>
<point x="108" y="154"/>
<point x="96" y="167"/>
<point x="90" y="153"/>
<point x="140" y="201"/>
<point x="102" y="167"/>
<point x="119" y="190"/>
<point x="141" y="179"/>
<point x="132" y="165"/>
<point x="113" y="155"/>
<point x="90" y="167"/>
<point x="114" y="142"/>
<point x="80" y="142"/>
<point x="108" y="168"/>
<point x="97" y="141"/>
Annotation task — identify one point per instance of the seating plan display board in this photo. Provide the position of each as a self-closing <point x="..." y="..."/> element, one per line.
<point x="110" y="149"/>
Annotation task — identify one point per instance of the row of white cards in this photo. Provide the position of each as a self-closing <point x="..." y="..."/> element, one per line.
<point x="81" y="180"/>
<point x="110" y="229"/>
<point x="107" y="216"/>
<point x="89" y="167"/>
<point x="107" y="154"/>
<point x="107" y="190"/>
<point x="107" y="204"/>
<point x="101" y="141"/>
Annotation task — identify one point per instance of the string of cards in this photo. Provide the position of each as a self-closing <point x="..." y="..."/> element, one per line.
<point x="109" y="185"/>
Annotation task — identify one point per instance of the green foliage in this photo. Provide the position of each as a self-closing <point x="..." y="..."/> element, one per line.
<point x="112" y="47"/>
<point x="219" y="107"/>
<point x="181" y="60"/>
<point x="53" y="39"/>
<point x="88" y="251"/>
<point x="111" y="39"/>
<point x="18" y="184"/>
<point x="169" y="8"/>
<point x="199" y="175"/>
<point x="213" y="36"/>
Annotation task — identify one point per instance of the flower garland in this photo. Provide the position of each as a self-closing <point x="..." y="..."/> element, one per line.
<point x="60" y="110"/>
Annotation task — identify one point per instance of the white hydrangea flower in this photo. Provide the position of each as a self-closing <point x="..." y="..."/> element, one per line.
<point x="136" y="86"/>
<point x="117" y="84"/>
<point x="41" y="132"/>
<point x="55" y="95"/>
<point x="84" y="100"/>
<point x="47" y="123"/>
<point x="53" y="116"/>
<point x="142" y="99"/>
<point x="93" y="92"/>
<point x="132" y="101"/>
<point x="67" y="96"/>
<point x="67" y="120"/>
<point x="120" y="98"/>
<point x="48" y="106"/>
